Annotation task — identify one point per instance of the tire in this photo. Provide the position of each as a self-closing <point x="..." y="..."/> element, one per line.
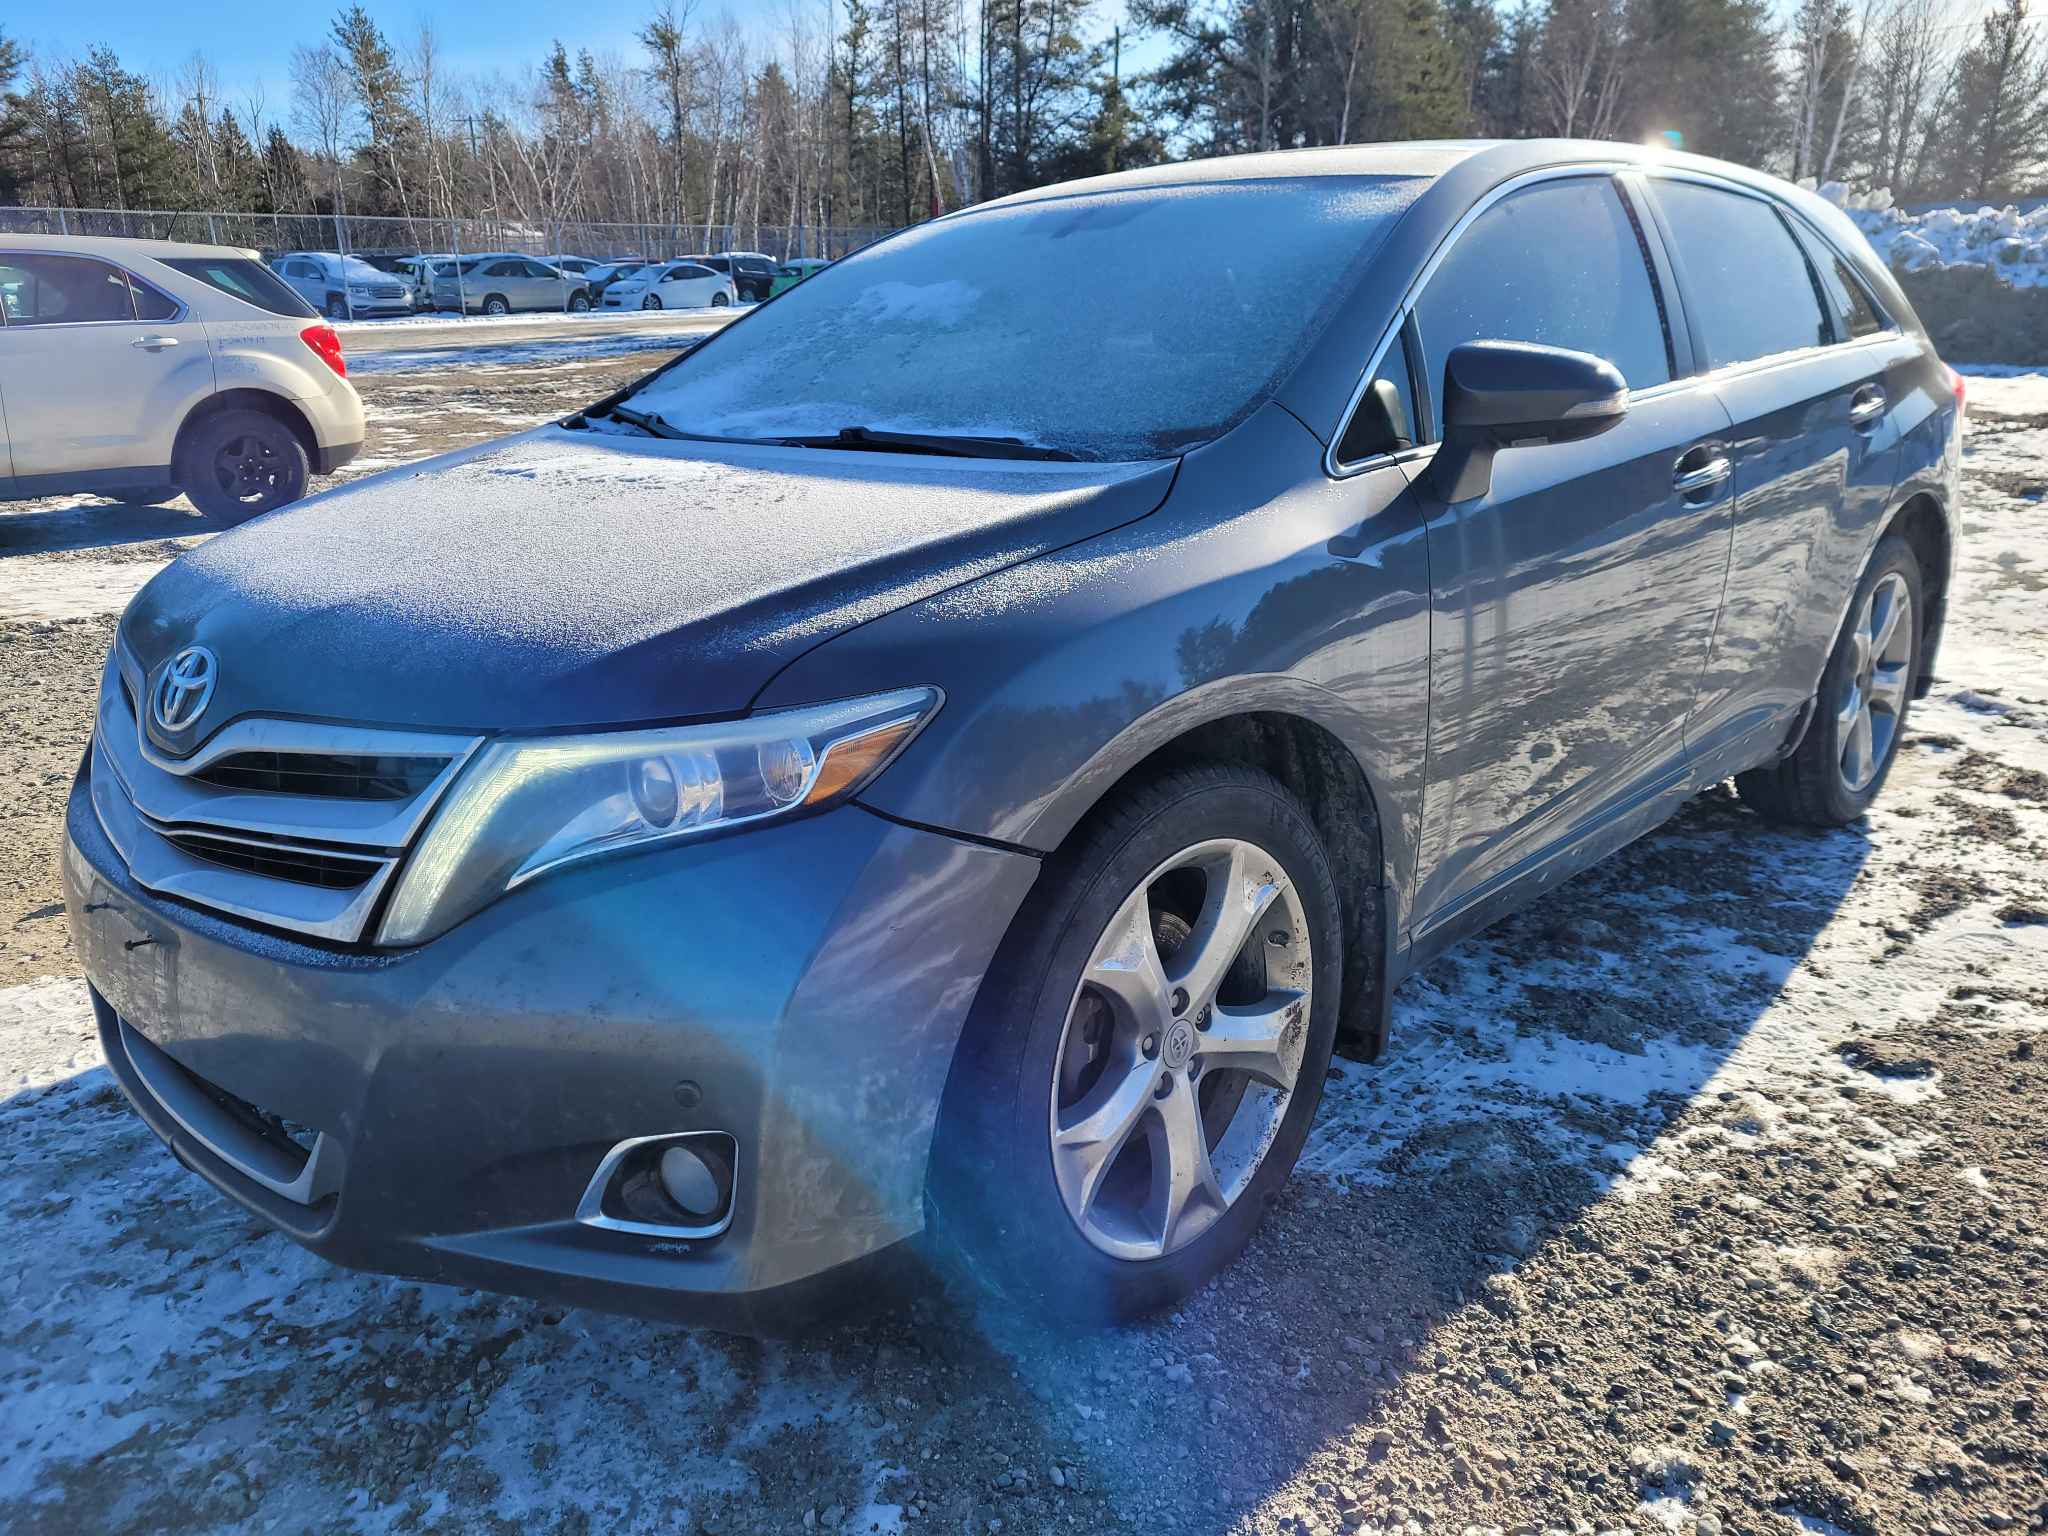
<point x="241" y="464"/>
<point x="497" y="304"/>
<point x="1048" y="1046"/>
<point x="143" y="495"/>
<point x="1831" y="778"/>
<point x="652" y="301"/>
<point x="719" y="301"/>
<point x="337" y="307"/>
<point x="579" y="301"/>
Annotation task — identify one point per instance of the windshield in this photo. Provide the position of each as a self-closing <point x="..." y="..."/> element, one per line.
<point x="1113" y="325"/>
<point x="359" y="270"/>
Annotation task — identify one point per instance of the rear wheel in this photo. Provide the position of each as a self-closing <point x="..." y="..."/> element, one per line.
<point x="496" y="305"/>
<point x="1860" y="713"/>
<point x="1147" y="1052"/>
<point x="241" y="464"/>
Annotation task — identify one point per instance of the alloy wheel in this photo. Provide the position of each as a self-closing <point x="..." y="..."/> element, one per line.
<point x="250" y="469"/>
<point x="1182" y="1043"/>
<point x="1880" y="672"/>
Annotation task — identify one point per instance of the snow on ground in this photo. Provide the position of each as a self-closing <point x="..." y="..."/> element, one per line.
<point x="2013" y="244"/>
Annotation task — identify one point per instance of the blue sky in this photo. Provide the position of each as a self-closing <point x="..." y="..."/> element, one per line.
<point x="247" y="40"/>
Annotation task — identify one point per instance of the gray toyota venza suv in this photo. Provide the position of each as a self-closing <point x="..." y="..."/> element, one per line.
<point x="958" y="749"/>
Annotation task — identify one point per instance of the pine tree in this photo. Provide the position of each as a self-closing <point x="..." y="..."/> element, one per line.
<point x="382" y="96"/>
<point x="1994" y="125"/>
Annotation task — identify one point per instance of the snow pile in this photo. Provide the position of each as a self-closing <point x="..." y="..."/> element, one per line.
<point x="2012" y="244"/>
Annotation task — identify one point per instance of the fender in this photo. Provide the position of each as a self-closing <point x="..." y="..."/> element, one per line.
<point x="247" y="355"/>
<point x="1063" y="674"/>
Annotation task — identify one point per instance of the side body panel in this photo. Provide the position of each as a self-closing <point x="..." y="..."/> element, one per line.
<point x="257" y="351"/>
<point x="1812" y="492"/>
<point x="1261" y="585"/>
<point x="1572" y="610"/>
<point x="100" y="395"/>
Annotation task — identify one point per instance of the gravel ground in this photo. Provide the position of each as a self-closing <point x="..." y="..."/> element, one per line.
<point x="1707" y="1197"/>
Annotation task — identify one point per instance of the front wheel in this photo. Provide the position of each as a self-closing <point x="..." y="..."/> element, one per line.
<point x="579" y="302"/>
<point x="652" y="301"/>
<point x="337" y="307"/>
<point x="241" y="464"/>
<point x="1147" y="1052"/>
<point x="1860" y="712"/>
<point x="496" y="305"/>
<point x="719" y="301"/>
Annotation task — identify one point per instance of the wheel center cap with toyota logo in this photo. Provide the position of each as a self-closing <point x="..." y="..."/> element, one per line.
<point x="1179" y="1049"/>
<point x="184" y="689"/>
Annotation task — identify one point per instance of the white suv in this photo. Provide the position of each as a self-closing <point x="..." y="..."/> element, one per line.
<point x="140" y="368"/>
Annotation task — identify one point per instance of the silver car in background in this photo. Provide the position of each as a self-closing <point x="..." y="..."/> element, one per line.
<point x="504" y="283"/>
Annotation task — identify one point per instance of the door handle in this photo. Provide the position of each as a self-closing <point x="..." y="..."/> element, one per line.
<point x="1865" y="407"/>
<point x="1702" y="477"/>
<point x="154" y="343"/>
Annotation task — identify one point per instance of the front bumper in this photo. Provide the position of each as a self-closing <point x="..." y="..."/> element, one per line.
<point x="801" y="987"/>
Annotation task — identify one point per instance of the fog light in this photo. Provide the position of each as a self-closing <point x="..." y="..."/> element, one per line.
<point x="690" y="1182"/>
<point x="677" y="1185"/>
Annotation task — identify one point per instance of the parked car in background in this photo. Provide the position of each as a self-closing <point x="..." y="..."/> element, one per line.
<point x="420" y="271"/>
<point x="686" y="284"/>
<point x="578" y="267"/>
<point x="790" y="273"/>
<point x="137" y="369"/>
<point x="597" y="279"/>
<point x="502" y="284"/>
<point x="806" y="797"/>
<point x="752" y="274"/>
<point x="344" y="287"/>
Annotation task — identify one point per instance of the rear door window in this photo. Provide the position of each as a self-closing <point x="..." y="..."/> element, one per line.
<point x="63" y="290"/>
<point x="240" y="278"/>
<point x="1753" y="293"/>
<point x="1561" y="264"/>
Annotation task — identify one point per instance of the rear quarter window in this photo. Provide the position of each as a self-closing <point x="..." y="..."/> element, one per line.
<point x="240" y="278"/>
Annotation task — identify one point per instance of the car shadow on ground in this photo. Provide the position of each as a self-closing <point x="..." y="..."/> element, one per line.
<point x="1534" y="1071"/>
<point x="91" y="523"/>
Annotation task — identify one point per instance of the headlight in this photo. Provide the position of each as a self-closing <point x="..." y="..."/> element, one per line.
<point x="524" y="807"/>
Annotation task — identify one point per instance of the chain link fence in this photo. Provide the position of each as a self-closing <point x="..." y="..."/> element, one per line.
<point x="273" y="234"/>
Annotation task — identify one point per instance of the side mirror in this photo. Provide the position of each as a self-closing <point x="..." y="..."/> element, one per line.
<point x="1516" y="394"/>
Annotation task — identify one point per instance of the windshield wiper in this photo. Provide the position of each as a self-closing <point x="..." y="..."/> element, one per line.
<point x="962" y="447"/>
<point x="653" y="425"/>
<point x="646" y="421"/>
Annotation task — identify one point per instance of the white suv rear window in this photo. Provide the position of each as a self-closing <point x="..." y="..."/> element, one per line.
<point x="240" y="278"/>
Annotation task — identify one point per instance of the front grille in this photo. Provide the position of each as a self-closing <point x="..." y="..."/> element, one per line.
<point x="298" y="825"/>
<point x="324" y="775"/>
<point x="277" y="861"/>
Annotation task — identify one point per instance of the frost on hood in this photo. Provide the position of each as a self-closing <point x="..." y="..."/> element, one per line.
<point x="1121" y="325"/>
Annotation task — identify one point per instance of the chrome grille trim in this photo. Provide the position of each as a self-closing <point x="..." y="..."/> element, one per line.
<point x="144" y="801"/>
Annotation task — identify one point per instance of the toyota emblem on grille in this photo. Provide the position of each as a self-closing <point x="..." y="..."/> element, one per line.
<point x="185" y="688"/>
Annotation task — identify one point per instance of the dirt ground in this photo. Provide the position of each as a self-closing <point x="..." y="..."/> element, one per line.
<point x="1706" y="1197"/>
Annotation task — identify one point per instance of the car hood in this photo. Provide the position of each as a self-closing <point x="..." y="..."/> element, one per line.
<point x="569" y="578"/>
